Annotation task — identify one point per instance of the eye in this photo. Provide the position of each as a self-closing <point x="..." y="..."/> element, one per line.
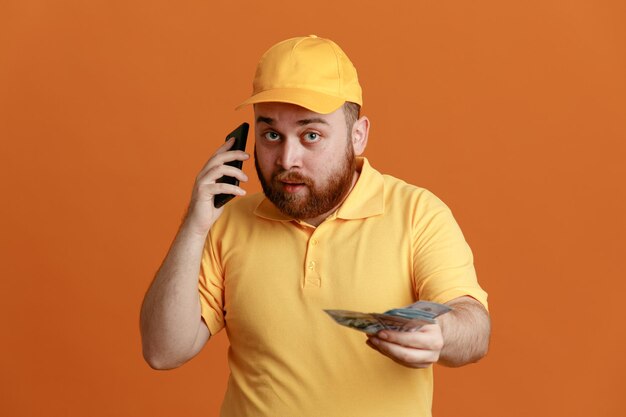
<point x="311" y="137"/>
<point x="271" y="136"/>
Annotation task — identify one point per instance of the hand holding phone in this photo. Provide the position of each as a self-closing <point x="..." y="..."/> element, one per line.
<point x="241" y="136"/>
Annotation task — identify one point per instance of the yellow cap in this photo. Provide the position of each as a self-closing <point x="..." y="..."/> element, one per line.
<point x="309" y="71"/>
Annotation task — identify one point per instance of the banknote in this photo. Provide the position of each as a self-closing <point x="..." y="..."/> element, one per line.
<point x="406" y="319"/>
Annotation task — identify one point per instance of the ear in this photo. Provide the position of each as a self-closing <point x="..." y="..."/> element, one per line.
<point x="360" y="132"/>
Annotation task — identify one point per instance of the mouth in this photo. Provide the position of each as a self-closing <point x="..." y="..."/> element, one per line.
<point x="291" y="182"/>
<point x="292" y="186"/>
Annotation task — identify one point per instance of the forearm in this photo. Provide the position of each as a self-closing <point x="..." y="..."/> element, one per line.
<point x="170" y="315"/>
<point x="466" y="331"/>
<point x="172" y="330"/>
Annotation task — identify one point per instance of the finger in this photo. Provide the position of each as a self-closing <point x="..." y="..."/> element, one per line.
<point x="225" y="146"/>
<point x="428" y="337"/>
<point x="413" y="362"/>
<point x="415" y="358"/>
<point x="222" y="149"/>
<point x="229" y="156"/>
<point x="219" y="171"/>
<point x="222" y="155"/>
<point x="407" y="359"/>
<point x="213" y="171"/>
<point x="370" y="344"/>
<point x="222" y="158"/>
<point x="208" y="191"/>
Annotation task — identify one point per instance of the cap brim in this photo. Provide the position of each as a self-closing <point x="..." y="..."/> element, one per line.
<point x="312" y="100"/>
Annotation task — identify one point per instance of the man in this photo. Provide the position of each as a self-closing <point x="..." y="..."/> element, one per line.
<point x="328" y="232"/>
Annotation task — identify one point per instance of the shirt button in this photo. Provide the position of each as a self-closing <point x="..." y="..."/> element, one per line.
<point x="314" y="242"/>
<point x="311" y="264"/>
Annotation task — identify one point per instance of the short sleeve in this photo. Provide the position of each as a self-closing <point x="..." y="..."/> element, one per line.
<point x="211" y="288"/>
<point x="443" y="263"/>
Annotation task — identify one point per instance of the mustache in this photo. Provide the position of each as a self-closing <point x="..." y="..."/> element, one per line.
<point x="292" y="176"/>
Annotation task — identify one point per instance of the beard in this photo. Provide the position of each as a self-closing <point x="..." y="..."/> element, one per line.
<point x="319" y="198"/>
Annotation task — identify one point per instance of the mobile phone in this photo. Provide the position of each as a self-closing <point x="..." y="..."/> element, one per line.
<point x="241" y="136"/>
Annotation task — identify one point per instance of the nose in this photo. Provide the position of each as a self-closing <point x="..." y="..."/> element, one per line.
<point x="290" y="154"/>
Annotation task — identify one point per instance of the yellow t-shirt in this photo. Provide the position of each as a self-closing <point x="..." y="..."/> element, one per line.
<point x="267" y="279"/>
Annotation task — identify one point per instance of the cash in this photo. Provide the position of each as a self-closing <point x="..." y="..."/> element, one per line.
<point x="406" y="319"/>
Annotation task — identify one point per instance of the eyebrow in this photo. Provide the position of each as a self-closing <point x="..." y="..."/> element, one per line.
<point x="264" y="119"/>
<point x="310" y="121"/>
<point x="303" y="122"/>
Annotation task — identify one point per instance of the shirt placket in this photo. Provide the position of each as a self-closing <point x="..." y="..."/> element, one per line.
<point x="312" y="277"/>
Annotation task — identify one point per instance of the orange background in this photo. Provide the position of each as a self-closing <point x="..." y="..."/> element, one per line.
<point x="511" y="112"/>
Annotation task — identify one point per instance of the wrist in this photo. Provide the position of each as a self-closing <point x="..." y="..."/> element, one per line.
<point x="193" y="228"/>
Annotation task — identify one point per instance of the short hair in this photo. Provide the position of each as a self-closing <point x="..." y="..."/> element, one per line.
<point x="352" y="112"/>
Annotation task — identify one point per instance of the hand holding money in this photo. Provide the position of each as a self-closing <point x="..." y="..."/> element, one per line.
<point x="409" y="336"/>
<point x="418" y="349"/>
<point x="407" y="319"/>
